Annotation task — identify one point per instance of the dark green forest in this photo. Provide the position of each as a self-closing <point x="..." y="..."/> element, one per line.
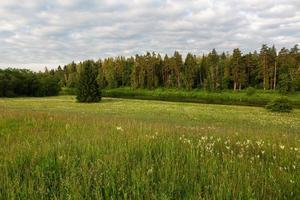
<point x="22" y="82"/>
<point x="267" y="69"/>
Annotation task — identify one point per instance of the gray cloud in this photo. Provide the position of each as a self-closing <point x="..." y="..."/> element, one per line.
<point x="36" y="33"/>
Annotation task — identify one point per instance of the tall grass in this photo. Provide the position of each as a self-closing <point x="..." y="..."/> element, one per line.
<point x="54" y="148"/>
<point x="259" y="98"/>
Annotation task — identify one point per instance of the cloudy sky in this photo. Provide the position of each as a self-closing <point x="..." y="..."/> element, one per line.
<point x="35" y="33"/>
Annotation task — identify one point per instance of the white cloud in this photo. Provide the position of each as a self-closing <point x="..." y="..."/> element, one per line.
<point x="59" y="31"/>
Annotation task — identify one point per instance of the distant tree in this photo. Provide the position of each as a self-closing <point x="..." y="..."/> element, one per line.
<point x="266" y="65"/>
<point x="213" y="78"/>
<point x="71" y="75"/>
<point x="88" y="88"/>
<point x="236" y="64"/>
<point x="265" y="70"/>
<point x="178" y="66"/>
<point x="189" y="71"/>
<point x="224" y="72"/>
<point x="20" y="82"/>
<point x="49" y="85"/>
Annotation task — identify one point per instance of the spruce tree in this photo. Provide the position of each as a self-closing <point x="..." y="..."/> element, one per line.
<point x="88" y="88"/>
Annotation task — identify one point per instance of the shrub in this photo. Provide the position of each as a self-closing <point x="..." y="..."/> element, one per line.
<point x="88" y="88"/>
<point x="280" y="105"/>
<point x="250" y="91"/>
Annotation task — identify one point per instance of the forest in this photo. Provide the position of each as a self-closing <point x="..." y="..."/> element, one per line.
<point x="23" y="82"/>
<point x="267" y="70"/>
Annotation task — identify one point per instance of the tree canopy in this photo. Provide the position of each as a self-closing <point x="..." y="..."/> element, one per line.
<point x="268" y="70"/>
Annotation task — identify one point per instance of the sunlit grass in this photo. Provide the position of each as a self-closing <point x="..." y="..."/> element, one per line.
<point x="55" y="148"/>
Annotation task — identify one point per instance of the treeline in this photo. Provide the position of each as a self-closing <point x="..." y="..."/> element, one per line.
<point x="267" y="69"/>
<point x="22" y="82"/>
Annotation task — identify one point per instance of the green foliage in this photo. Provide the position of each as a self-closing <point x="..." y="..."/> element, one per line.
<point x="189" y="71"/>
<point x="68" y="91"/>
<point x="88" y="88"/>
<point x="280" y="105"/>
<point x="212" y="72"/>
<point x="261" y="98"/>
<point x="20" y="82"/>
<point x="250" y="91"/>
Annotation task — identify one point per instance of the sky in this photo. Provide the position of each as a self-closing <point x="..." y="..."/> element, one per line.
<point x="39" y="33"/>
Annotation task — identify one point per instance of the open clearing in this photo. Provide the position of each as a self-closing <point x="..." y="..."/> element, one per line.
<point x="55" y="148"/>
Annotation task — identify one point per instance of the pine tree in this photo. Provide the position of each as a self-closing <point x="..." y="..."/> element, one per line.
<point x="213" y="70"/>
<point x="178" y="65"/>
<point x="189" y="71"/>
<point x="236" y="64"/>
<point x="88" y="88"/>
<point x="265" y="65"/>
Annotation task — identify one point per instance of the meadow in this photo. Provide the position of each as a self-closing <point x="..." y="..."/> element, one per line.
<point x="55" y="148"/>
<point x="226" y="97"/>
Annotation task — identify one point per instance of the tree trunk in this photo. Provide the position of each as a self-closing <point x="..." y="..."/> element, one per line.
<point x="264" y="72"/>
<point x="275" y="74"/>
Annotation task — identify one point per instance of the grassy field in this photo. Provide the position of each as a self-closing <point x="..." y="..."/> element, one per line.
<point x="259" y="98"/>
<point x="55" y="148"/>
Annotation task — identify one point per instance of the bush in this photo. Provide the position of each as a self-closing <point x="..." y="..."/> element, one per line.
<point x="280" y="105"/>
<point x="250" y="91"/>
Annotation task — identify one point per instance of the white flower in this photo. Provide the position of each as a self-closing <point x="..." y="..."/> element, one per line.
<point x="281" y="146"/>
<point x="119" y="128"/>
<point x="150" y="171"/>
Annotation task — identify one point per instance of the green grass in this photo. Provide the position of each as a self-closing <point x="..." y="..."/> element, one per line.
<point x="259" y="98"/>
<point x="55" y="148"/>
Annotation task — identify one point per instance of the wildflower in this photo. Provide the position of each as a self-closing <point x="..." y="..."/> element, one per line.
<point x="281" y="146"/>
<point x="119" y="128"/>
<point x="204" y="138"/>
<point x="150" y="171"/>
